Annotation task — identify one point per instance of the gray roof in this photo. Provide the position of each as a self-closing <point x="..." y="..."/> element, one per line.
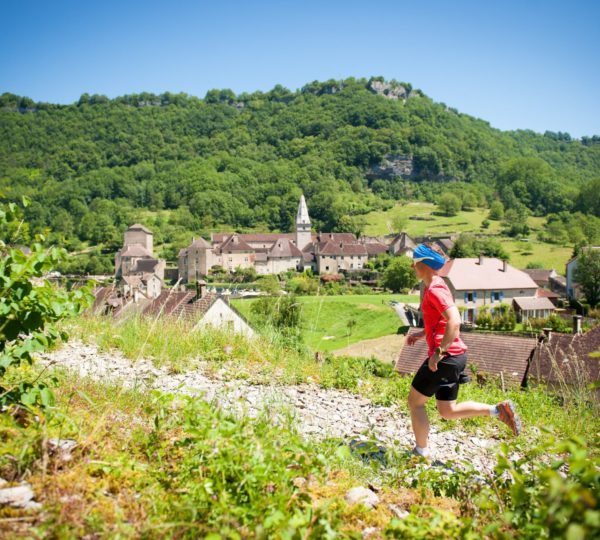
<point x="302" y="214"/>
<point x="139" y="227"/>
<point x="528" y="303"/>
<point x="283" y="249"/>
<point x="135" y="250"/>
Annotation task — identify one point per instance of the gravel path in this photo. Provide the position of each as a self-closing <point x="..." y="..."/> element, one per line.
<point x="318" y="412"/>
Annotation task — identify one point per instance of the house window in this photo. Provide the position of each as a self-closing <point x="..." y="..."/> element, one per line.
<point x="470" y="297"/>
<point x="495" y="296"/>
<point x="327" y="268"/>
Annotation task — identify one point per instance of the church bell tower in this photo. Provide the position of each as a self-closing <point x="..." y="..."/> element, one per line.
<point x="303" y="233"/>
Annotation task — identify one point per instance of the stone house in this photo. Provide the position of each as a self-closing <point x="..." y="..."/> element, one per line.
<point x="137" y="271"/>
<point x="490" y="282"/>
<point x="201" y="308"/>
<point x="273" y="253"/>
<point x="402" y="244"/>
<point x="333" y="257"/>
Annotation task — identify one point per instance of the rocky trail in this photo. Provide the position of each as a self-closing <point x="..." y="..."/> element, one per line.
<point x="318" y="412"/>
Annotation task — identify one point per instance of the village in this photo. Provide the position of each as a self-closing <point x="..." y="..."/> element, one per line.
<point x="482" y="285"/>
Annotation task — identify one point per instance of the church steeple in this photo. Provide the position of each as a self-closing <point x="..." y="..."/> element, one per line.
<point x="303" y="233"/>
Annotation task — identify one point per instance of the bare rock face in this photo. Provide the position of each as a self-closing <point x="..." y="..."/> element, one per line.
<point x="392" y="166"/>
<point x="388" y="90"/>
<point x="362" y="495"/>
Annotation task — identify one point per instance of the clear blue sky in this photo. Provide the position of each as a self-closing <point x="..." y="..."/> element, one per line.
<point x="518" y="64"/>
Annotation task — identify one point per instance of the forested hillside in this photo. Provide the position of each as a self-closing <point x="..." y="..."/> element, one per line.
<point x="242" y="161"/>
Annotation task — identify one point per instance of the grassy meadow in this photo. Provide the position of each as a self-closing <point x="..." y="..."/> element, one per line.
<point x="326" y="319"/>
<point x="149" y="465"/>
<point x="521" y="252"/>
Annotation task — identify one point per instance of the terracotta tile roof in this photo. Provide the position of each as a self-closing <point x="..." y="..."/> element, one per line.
<point x="528" y="303"/>
<point x="490" y="353"/>
<point x="167" y="302"/>
<point x="135" y="250"/>
<point x="283" y="248"/>
<point x="102" y="297"/>
<point x="139" y="227"/>
<point x="374" y="249"/>
<point x="334" y="248"/>
<point x="194" y="311"/>
<point x="261" y="256"/>
<point x="404" y="241"/>
<point x="446" y="244"/>
<point x="539" y="275"/>
<point x="468" y="275"/>
<point x="234" y="244"/>
<point x="253" y="237"/>
<point x="569" y="358"/>
<point x="308" y="257"/>
<point x="345" y="238"/>
<point x="545" y="293"/>
<point x="309" y="248"/>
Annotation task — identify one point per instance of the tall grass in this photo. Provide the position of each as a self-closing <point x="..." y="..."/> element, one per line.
<point x="269" y="358"/>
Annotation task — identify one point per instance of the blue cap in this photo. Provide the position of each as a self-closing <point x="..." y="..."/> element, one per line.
<point x="428" y="256"/>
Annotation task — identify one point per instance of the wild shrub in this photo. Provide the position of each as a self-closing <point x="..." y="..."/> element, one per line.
<point x="29" y="307"/>
<point x="550" y="491"/>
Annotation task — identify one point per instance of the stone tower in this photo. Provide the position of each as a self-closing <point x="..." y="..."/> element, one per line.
<point x="303" y="233"/>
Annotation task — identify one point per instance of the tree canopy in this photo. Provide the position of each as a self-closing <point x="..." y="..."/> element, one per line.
<point x="241" y="161"/>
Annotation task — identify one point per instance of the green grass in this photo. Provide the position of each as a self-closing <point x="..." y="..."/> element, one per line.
<point x="521" y="252"/>
<point x="379" y="223"/>
<point x="325" y="318"/>
<point x="548" y="255"/>
<point x="152" y="466"/>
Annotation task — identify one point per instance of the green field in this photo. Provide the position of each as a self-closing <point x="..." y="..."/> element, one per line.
<point x="380" y="222"/>
<point x="325" y="318"/>
<point x="521" y="252"/>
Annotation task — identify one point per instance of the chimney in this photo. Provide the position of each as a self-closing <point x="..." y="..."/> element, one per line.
<point x="480" y="259"/>
<point x="504" y="266"/>
<point x="577" y="324"/>
<point x="547" y="332"/>
<point x="200" y="289"/>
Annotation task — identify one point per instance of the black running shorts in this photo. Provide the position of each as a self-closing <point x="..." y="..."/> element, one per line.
<point x="443" y="382"/>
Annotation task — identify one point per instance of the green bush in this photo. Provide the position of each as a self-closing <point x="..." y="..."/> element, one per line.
<point x="553" y="490"/>
<point x="346" y="372"/>
<point x="29" y="305"/>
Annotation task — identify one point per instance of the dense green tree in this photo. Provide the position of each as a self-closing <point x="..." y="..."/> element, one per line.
<point x="449" y="204"/>
<point x="496" y="211"/>
<point x="587" y="274"/>
<point x="399" y="274"/>
<point x="241" y="161"/>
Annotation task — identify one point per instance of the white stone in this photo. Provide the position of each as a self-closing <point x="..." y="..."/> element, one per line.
<point x="362" y="495"/>
<point x="18" y="497"/>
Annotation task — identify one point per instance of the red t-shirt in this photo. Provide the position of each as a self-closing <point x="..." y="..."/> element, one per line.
<point x="437" y="298"/>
